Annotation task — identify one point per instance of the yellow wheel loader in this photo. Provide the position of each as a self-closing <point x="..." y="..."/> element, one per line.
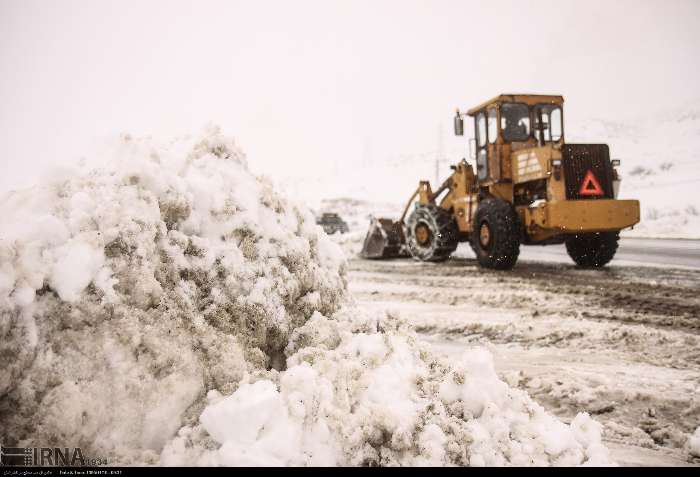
<point x="530" y="188"/>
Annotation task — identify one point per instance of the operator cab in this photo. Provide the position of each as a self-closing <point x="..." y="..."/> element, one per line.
<point x="508" y="123"/>
<point x="524" y="124"/>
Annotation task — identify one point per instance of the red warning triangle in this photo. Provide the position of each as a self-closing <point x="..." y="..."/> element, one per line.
<point x="590" y="185"/>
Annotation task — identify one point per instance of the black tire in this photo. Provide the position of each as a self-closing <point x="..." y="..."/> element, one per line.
<point x="496" y="235"/>
<point x="442" y="234"/>
<point x="592" y="250"/>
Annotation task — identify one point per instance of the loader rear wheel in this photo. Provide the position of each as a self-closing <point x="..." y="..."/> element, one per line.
<point x="592" y="250"/>
<point x="496" y="236"/>
<point x="431" y="234"/>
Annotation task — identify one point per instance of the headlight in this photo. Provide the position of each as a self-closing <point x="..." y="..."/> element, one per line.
<point x="615" y="162"/>
<point x="556" y="162"/>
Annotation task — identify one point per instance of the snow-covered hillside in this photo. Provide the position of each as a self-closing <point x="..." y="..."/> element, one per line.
<point x="660" y="167"/>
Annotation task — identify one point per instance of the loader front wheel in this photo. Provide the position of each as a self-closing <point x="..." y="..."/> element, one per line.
<point x="496" y="236"/>
<point x="592" y="250"/>
<point x="431" y="234"/>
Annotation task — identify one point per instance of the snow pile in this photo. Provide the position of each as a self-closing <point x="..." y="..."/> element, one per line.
<point x="363" y="391"/>
<point x="172" y="308"/>
<point x="129" y="292"/>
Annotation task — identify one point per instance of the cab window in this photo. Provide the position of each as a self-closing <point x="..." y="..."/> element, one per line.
<point x="556" y="125"/>
<point x="492" y="125"/>
<point x="515" y="121"/>
<point x="482" y="167"/>
<point x="481" y="130"/>
<point x="547" y="117"/>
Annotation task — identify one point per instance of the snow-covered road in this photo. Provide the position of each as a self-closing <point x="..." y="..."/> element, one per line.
<point x="621" y="343"/>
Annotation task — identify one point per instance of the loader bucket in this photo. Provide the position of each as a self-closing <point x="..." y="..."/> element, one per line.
<point x="384" y="239"/>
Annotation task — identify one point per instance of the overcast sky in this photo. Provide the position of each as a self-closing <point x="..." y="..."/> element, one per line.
<point x="302" y="84"/>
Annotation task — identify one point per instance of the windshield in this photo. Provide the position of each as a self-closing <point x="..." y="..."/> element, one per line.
<point x="515" y="121"/>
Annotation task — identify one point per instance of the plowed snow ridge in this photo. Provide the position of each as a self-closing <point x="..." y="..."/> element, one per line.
<point x="172" y="308"/>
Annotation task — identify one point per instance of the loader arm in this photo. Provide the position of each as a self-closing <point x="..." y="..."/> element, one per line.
<point x="425" y="196"/>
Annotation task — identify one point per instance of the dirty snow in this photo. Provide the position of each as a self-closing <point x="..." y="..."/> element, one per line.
<point x="127" y="293"/>
<point x="620" y="344"/>
<point x="172" y="308"/>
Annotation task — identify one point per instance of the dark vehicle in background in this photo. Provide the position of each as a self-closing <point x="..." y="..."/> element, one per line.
<point x="332" y="223"/>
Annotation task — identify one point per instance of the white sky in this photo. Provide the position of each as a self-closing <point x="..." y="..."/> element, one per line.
<point x="305" y="84"/>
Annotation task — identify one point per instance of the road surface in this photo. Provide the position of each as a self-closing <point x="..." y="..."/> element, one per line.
<point x="631" y="251"/>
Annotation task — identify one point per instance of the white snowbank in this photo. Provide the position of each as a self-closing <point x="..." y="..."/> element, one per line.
<point x="363" y="391"/>
<point x="173" y="309"/>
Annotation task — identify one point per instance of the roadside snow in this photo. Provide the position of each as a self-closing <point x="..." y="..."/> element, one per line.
<point x="127" y="293"/>
<point x="364" y="391"/>
<point x="172" y="308"/>
<point x="620" y="343"/>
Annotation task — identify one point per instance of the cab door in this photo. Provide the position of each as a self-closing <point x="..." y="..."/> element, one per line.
<point x="494" y="147"/>
<point x="488" y="149"/>
<point x="482" y="150"/>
